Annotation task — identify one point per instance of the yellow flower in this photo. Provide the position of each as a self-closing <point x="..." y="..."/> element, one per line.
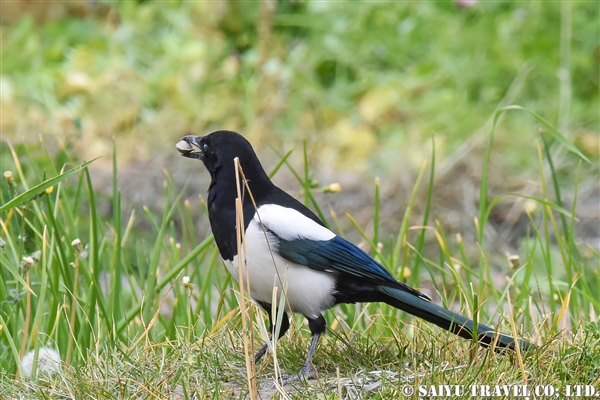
<point x="405" y="273"/>
<point x="332" y="188"/>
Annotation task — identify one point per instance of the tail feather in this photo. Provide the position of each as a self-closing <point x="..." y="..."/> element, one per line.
<point x="450" y="321"/>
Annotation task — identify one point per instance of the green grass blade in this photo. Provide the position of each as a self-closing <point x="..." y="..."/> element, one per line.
<point x="557" y="192"/>
<point x="483" y="195"/>
<point x="543" y="202"/>
<point x="9" y="266"/>
<point x="282" y="161"/>
<point x="403" y="231"/>
<point x="550" y="129"/>
<point x="96" y="301"/>
<point x="156" y="252"/>
<point x="376" y="204"/>
<point x="11" y="343"/>
<point x="421" y="237"/>
<point x="34" y="191"/>
<point x="309" y="198"/>
<point x="116" y="265"/>
<point x="175" y="270"/>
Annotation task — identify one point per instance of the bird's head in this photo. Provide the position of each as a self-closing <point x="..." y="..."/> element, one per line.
<point x="219" y="149"/>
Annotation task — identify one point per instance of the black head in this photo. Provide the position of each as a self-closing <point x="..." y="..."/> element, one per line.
<point x="218" y="150"/>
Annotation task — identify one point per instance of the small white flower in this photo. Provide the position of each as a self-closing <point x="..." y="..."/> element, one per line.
<point x="530" y="206"/>
<point x="76" y="243"/>
<point x="48" y="362"/>
<point x="185" y="281"/>
<point x="459" y="238"/>
<point x="9" y="177"/>
<point x="513" y="260"/>
<point x="27" y="263"/>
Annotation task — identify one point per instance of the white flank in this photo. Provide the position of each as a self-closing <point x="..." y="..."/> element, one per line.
<point x="308" y="292"/>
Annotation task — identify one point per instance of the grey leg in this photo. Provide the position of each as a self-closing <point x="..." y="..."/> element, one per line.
<point x="317" y="328"/>
<point x="308" y="371"/>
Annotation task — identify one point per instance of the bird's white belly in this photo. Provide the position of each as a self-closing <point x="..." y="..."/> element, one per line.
<point x="307" y="291"/>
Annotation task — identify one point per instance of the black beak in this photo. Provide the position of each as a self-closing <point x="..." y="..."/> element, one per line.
<point x="186" y="146"/>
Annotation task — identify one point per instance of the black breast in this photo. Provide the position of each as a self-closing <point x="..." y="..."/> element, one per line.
<point x="222" y="217"/>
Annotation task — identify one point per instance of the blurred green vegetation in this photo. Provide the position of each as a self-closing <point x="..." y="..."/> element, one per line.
<point x="368" y="83"/>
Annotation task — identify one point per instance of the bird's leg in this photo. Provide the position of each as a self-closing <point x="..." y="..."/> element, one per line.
<point x="317" y="328"/>
<point x="260" y="353"/>
<point x="285" y="325"/>
<point x="308" y="371"/>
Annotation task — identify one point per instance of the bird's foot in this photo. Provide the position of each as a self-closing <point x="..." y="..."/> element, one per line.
<point x="307" y="372"/>
<point x="256" y="358"/>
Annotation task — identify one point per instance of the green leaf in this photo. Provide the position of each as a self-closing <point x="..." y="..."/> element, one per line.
<point x="15" y="273"/>
<point x="34" y="191"/>
<point x="550" y="129"/>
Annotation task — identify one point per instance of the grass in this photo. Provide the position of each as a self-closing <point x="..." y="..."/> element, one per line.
<point x="126" y="325"/>
<point x="105" y="283"/>
<point x="390" y="73"/>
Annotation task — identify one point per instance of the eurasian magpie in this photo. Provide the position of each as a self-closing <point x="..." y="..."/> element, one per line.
<point x="316" y="268"/>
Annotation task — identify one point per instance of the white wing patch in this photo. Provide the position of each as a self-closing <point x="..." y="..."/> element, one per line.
<point x="308" y="291"/>
<point x="290" y="224"/>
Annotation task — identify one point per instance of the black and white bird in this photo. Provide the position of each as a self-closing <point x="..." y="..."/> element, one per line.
<point x="317" y="268"/>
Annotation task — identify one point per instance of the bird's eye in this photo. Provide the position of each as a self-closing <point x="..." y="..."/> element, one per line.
<point x="205" y="147"/>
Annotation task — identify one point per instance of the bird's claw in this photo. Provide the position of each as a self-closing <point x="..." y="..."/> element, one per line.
<point x="307" y="372"/>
